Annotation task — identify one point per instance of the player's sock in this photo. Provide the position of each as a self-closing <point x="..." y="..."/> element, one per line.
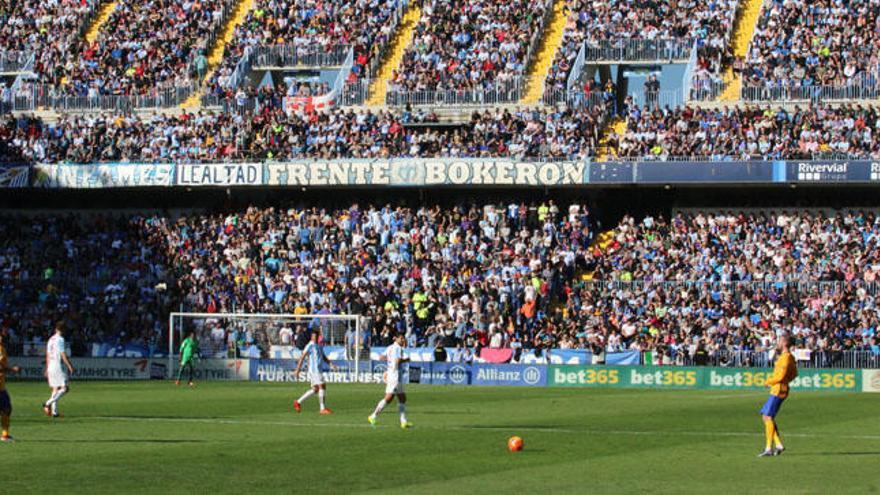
<point x="52" y="399"/>
<point x="306" y="395"/>
<point x="4" y="424"/>
<point x="55" y="398"/>
<point x="321" y="394"/>
<point x="379" y="407"/>
<point x="401" y="408"/>
<point x="777" y="440"/>
<point x="769" y="431"/>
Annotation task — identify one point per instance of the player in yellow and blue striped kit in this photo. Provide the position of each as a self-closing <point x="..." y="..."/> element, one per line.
<point x="784" y="372"/>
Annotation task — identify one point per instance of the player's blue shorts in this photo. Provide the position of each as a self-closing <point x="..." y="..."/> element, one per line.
<point x="771" y="407"/>
<point x="5" y="402"/>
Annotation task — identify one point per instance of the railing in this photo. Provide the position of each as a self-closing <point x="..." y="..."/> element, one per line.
<point x="241" y="68"/>
<point x="34" y="96"/>
<point x="556" y="97"/>
<point x="696" y="159"/>
<point x="576" y="69"/>
<point x="706" y="89"/>
<point x="510" y="92"/>
<point x="15" y="61"/>
<point x="355" y="93"/>
<point x="867" y="88"/>
<point x="745" y="157"/>
<point x="575" y="98"/>
<point x="638" y="50"/>
<point x="7" y="104"/>
<point x="796" y="286"/>
<point x="664" y="98"/>
<point x="688" y="77"/>
<point x="342" y="74"/>
<point x="234" y="105"/>
<point x="287" y="55"/>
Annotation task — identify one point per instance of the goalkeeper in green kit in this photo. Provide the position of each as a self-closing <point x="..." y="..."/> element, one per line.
<point x="189" y="348"/>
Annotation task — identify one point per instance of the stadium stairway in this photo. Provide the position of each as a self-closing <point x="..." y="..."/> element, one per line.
<point x="100" y="19"/>
<point x="605" y="152"/>
<point x="743" y="31"/>
<point x="216" y="52"/>
<point x="542" y="60"/>
<point x="394" y="57"/>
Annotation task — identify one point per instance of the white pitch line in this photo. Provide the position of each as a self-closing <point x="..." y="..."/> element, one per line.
<point x="478" y="427"/>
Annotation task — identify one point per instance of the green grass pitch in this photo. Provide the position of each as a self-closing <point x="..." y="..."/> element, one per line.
<point x="151" y="437"/>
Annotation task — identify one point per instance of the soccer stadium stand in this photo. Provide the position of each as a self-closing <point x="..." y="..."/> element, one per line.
<point x="476" y="50"/>
<point x="799" y="44"/>
<point x="148" y="47"/>
<point x="535" y="134"/>
<point x="303" y="33"/>
<point x="44" y="37"/>
<point x="750" y="133"/>
<point x="395" y="84"/>
<point x="643" y="31"/>
<point x="535" y="274"/>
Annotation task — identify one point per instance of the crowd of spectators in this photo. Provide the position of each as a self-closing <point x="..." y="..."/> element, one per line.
<point x="263" y="130"/>
<point x="801" y="43"/>
<point x="93" y="273"/>
<point x="600" y="23"/>
<point x="513" y="275"/>
<point x="50" y="30"/>
<point x="270" y="133"/>
<point x="804" y="272"/>
<point x="147" y="46"/>
<point x="750" y="132"/>
<point x="469" y="45"/>
<point x="305" y="27"/>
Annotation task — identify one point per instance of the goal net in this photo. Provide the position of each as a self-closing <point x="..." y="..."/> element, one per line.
<point x="278" y="337"/>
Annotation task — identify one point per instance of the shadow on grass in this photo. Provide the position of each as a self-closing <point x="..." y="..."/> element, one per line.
<point x="122" y="418"/>
<point x="817" y="454"/>
<point x="444" y="413"/>
<point x="122" y="440"/>
<point x="522" y="427"/>
<point x="158" y="417"/>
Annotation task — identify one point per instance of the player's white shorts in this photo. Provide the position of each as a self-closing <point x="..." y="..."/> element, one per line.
<point x="317" y="379"/>
<point x="393" y="386"/>
<point x="57" y="377"/>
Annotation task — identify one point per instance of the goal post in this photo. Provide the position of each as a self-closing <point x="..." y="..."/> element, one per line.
<point x="269" y="336"/>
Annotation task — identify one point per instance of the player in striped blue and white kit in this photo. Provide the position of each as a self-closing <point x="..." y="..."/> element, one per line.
<point x="314" y="352"/>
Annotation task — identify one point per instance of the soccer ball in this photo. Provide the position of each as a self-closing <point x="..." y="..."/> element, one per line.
<point x="515" y="444"/>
